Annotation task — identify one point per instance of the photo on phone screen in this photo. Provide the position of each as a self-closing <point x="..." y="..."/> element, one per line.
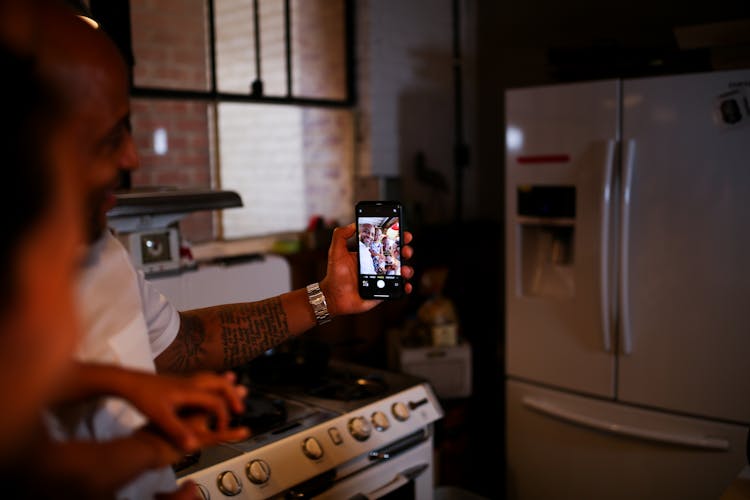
<point x="379" y="235"/>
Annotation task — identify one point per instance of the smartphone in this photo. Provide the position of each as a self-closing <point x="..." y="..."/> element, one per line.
<point x="380" y="236"/>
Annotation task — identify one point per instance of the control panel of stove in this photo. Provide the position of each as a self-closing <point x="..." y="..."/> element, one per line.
<point x="286" y="463"/>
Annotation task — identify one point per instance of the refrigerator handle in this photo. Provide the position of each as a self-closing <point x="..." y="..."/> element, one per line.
<point x="605" y="260"/>
<point x="600" y="424"/>
<point x="626" y="333"/>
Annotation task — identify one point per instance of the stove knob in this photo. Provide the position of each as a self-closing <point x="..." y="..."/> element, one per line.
<point x="229" y="484"/>
<point x="203" y="492"/>
<point x="380" y="421"/>
<point x="359" y="428"/>
<point x="312" y="449"/>
<point x="258" y="471"/>
<point x="400" y="411"/>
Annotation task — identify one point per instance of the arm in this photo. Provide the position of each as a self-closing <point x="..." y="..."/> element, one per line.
<point x="161" y="398"/>
<point x="74" y="461"/>
<point x="114" y="463"/>
<point x="226" y="336"/>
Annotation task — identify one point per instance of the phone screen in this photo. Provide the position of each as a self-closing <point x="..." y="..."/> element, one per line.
<point x="379" y="235"/>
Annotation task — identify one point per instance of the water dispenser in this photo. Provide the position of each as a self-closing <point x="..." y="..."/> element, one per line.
<point x="546" y="235"/>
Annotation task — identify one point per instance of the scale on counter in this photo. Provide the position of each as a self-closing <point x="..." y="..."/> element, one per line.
<point x="145" y="220"/>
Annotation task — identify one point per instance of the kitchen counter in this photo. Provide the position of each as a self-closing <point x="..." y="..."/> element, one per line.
<point x="739" y="489"/>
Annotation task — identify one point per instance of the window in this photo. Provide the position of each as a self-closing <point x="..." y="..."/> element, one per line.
<point x="200" y="117"/>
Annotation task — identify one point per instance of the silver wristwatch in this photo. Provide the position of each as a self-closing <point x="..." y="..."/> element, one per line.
<point x="318" y="303"/>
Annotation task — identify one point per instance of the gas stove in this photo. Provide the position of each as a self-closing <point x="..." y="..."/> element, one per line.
<point x="347" y="430"/>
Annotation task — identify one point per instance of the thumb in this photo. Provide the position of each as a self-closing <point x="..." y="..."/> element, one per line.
<point x="338" y="240"/>
<point x="345" y="232"/>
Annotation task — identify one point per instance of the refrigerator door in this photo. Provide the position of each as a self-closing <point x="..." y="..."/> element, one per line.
<point x="685" y="244"/>
<point x="561" y="153"/>
<point x="564" y="446"/>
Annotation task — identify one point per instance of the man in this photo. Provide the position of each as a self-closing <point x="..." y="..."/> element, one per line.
<point x="127" y="322"/>
<point x="366" y="235"/>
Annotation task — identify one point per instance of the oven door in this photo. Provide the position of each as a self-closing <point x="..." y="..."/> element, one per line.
<point x="408" y="475"/>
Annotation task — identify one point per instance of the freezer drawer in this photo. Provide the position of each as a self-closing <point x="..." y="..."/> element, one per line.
<point x="566" y="446"/>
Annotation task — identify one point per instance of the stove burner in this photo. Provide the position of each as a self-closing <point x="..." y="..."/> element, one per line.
<point x="347" y="386"/>
<point x="186" y="461"/>
<point x="261" y="414"/>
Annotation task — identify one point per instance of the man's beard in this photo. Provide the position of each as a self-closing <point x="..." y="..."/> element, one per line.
<point x="97" y="223"/>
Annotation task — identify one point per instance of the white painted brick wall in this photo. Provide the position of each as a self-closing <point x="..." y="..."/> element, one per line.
<point x="409" y="52"/>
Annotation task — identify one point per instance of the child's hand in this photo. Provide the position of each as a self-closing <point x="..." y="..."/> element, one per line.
<point x="165" y="399"/>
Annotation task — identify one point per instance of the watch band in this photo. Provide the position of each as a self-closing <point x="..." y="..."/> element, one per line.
<point x="318" y="303"/>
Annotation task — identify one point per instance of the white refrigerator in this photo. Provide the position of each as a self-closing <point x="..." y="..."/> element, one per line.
<point x="627" y="349"/>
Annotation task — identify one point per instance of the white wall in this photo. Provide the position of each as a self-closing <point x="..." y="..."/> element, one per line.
<point x="405" y="73"/>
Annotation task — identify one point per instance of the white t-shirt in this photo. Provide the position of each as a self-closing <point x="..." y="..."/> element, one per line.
<point x="366" y="266"/>
<point x="126" y="322"/>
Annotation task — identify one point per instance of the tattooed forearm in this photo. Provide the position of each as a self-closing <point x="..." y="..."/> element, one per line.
<point x="224" y="337"/>
<point x="247" y="330"/>
<point x="185" y="352"/>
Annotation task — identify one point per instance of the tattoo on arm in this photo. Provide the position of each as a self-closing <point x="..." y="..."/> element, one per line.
<point x="224" y="337"/>
<point x="247" y="330"/>
<point x="188" y="346"/>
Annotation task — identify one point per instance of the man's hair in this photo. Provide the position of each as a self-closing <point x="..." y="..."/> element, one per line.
<point x="30" y="107"/>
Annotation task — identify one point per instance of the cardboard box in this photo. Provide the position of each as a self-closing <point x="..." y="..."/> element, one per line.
<point x="448" y="369"/>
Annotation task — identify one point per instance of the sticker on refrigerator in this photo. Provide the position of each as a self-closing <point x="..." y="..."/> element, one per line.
<point x="732" y="109"/>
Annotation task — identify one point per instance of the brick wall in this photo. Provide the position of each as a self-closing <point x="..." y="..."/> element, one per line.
<point x="187" y="159"/>
<point x="169" y="45"/>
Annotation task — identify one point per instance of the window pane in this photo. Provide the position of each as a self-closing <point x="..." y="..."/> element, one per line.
<point x="235" y="50"/>
<point x="235" y="46"/>
<point x="318" y="48"/>
<point x="170" y="44"/>
<point x="261" y="158"/>
<point x="288" y="164"/>
<point x="172" y="138"/>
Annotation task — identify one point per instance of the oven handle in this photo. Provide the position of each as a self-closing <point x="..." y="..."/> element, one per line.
<point x="399" y="446"/>
<point x="402" y="478"/>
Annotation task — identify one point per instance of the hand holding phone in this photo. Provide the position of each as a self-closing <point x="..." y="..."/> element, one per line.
<point x="380" y="239"/>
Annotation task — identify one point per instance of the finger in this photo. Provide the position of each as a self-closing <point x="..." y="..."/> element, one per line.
<point x="407" y="237"/>
<point x="407" y="252"/>
<point x="208" y="437"/>
<point x="407" y="288"/>
<point x="241" y="391"/>
<point x="345" y="232"/>
<point x="180" y="433"/>
<point x="210" y="403"/>
<point x="338" y="248"/>
<point x="223" y="387"/>
<point x="338" y="240"/>
<point x="407" y="272"/>
<point x="233" y="434"/>
<point x="234" y="396"/>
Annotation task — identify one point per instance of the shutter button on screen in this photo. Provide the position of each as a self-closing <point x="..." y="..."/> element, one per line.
<point x="381" y="283"/>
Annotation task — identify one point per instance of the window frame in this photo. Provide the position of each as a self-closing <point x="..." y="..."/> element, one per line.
<point x="215" y="96"/>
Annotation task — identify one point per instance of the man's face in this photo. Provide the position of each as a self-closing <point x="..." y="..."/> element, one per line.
<point x="109" y="144"/>
<point x="91" y="73"/>
<point x="367" y="233"/>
